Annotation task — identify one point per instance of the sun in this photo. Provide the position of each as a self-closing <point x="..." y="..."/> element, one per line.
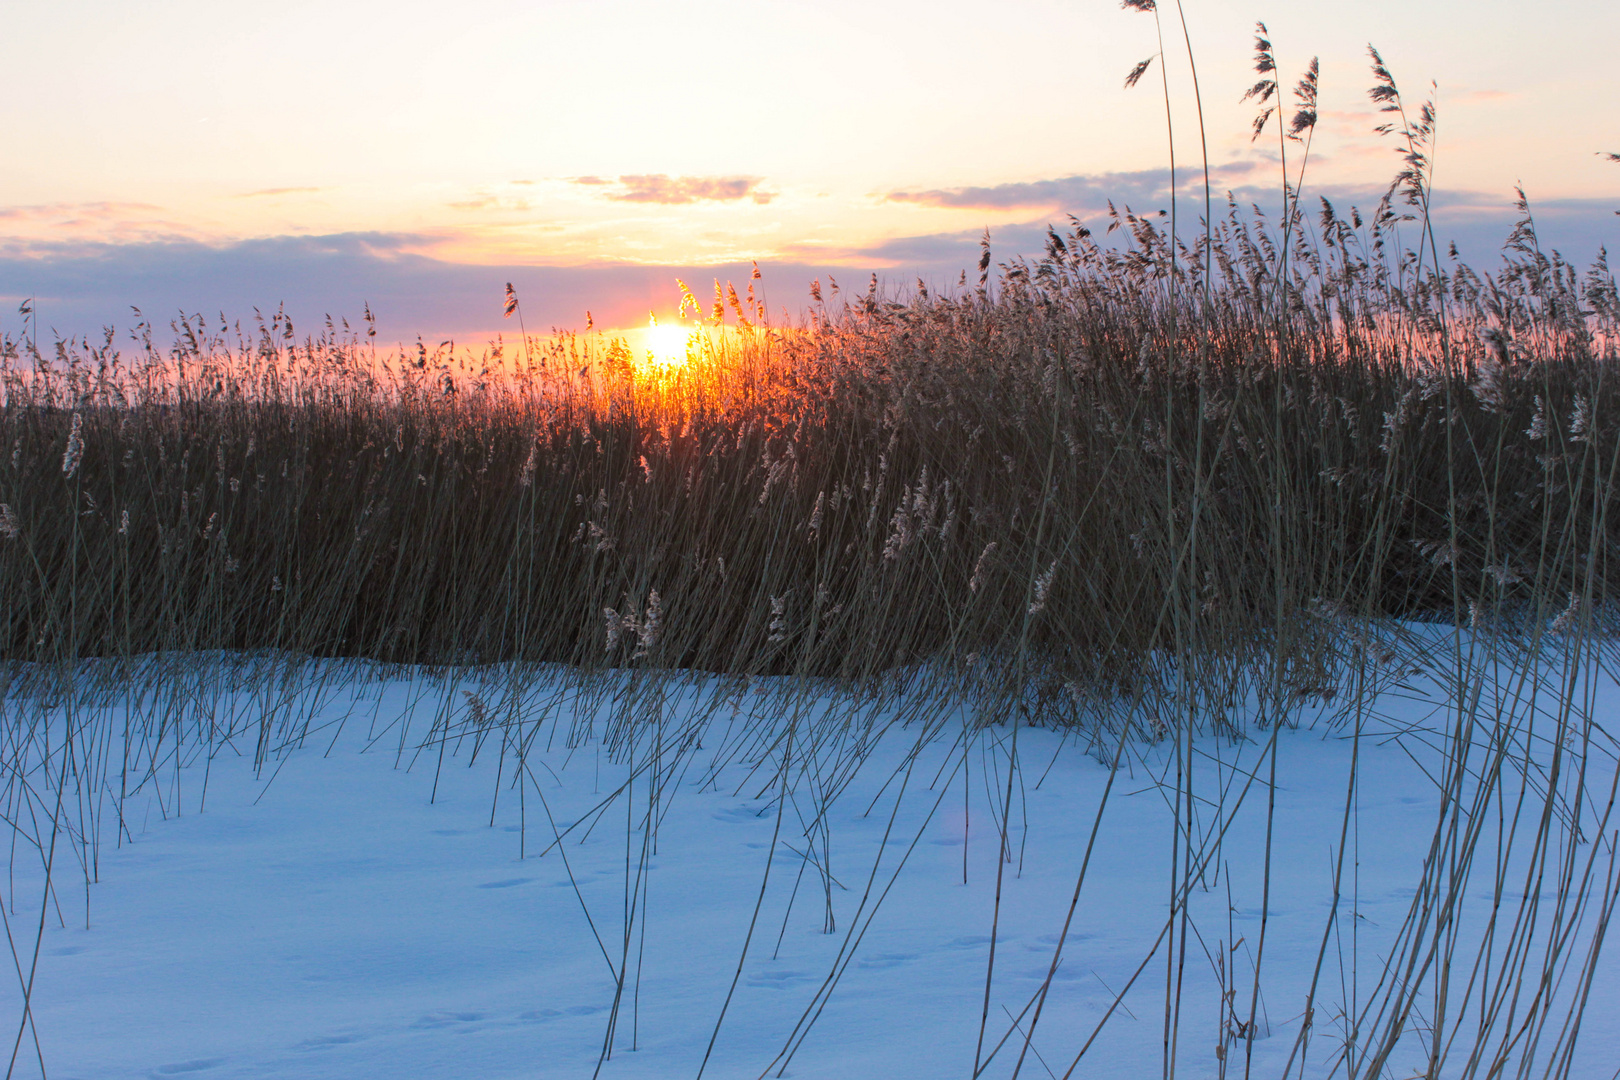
<point x="667" y="344"/>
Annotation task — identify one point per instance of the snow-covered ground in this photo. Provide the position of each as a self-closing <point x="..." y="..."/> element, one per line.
<point x="350" y="911"/>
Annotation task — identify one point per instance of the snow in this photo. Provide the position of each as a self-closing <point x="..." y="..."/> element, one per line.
<point x="349" y="910"/>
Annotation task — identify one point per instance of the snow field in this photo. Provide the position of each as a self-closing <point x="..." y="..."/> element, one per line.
<point x="348" y="909"/>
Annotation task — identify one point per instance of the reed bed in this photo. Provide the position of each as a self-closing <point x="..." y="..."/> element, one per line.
<point x="1077" y="468"/>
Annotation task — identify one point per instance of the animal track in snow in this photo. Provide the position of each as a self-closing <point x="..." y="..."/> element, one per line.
<point x="507" y="883"/>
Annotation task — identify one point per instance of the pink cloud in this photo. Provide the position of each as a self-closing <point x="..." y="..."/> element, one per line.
<point x="679" y="190"/>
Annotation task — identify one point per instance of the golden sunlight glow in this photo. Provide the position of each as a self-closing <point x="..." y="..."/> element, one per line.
<point x="666" y="344"/>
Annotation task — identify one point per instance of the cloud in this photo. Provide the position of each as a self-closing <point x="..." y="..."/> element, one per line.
<point x="1037" y="193"/>
<point x="1085" y="192"/>
<point x="55" y="212"/>
<point x="680" y="190"/>
<point x="80" y="288"/>
<point x="45" y="225"/>
<point x="490" y="202"/>
<point x="280" y="191"/>
<point x="81" y="285"/>
<point x="928" y="253"/>
<point x="1477" y="220"/>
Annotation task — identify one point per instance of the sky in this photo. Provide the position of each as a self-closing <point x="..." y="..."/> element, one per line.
<point x="415" y="156"/>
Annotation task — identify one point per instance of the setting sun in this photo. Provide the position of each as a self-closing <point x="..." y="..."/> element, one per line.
<point x="666" y="344"/>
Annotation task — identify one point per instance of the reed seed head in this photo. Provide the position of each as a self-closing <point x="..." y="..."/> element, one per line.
<point x="75" y="447"/>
